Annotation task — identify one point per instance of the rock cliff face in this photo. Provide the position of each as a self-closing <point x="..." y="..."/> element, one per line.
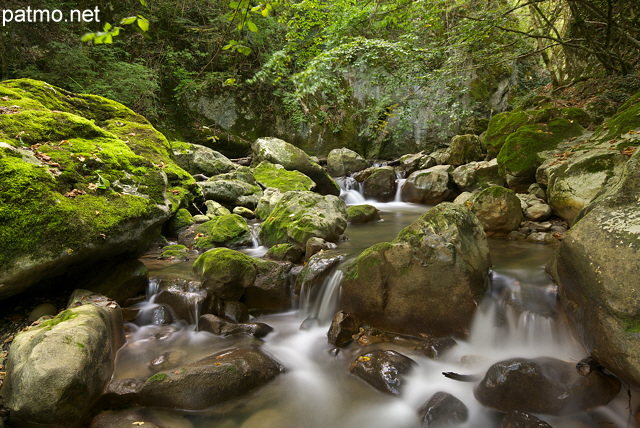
<point x="82" y="179"/>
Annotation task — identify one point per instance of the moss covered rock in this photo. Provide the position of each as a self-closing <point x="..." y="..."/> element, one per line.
<point x="284" y="252"/>
<point x="179" y="221"/>
<point x="225" y="273"/>
<point x="292" y="158"/>
<point x="342" y="162"/>
<point x="267" y="202"/>
<point x="82" y="179"/>
<point x="299" y="216"/>
<point x="626" y="119"/>
<point x="276" y="176"/>
<point x="362" y="213"/>
<point x="464" y="149"/>
<point x="428" y="281"/>
<point x="229" y="230"/>
<point x="379" y="183"/>
<point x="197" y="159"/>
<point x="477" y="175"/>
<point x="498" y="209"/>
<point x="232" y="189"/>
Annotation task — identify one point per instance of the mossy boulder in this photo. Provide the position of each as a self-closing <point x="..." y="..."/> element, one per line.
<point x="343" y="162"/>
<point x="464" y="149"/>
<point x="299" y="216"/>
<point x="179" y="221"/>
<point x="230" y="230"/>
<point x="175" y="251"/>
<point x="238" y="188"/>
<point x="292" y="158"/>
<point x="83" y="179"/>
<point x="428" y="281"/>
<point x="429" y="186"/>
<point x="197" y="159"/>
<point x="225" y="273"/>
<point x="477" y="176"/>
<point x="378" y="183"/>
<point x="596" y="268"/>
<point x="268" y="201"/>
<point x="498" y="209"/>
<point x="57" y="369"/>
<point x="285" y="252"/>
<point x="626" y="119"/>
<point x="521" y="153"/>
<point x="276" y="176"/>
<point x="215" y="209"/>
<point x="362" y="213"/>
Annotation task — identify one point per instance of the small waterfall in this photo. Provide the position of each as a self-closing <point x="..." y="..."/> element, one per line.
<point x="254" y="231"/>
<point x="257" y="249"/>
<point x="399" y="183"/>
<point x="318" y="304"/>
<point x="350" y="191"/>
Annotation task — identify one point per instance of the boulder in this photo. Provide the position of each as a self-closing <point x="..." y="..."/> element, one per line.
<point x="384" y="370"/>
<point x="343" y="327"/>
<point x="516" y="419"/>
<point x="292" y="158"/>
<point x="362" y="214"/>
<point x="215" y="209"/>
<point x="378" y="183"/>
<point x="197" y="159"/>
<point x="414" y="161"/>
<point x="477" y="176"/>
<point x="212" y="380"/>
<point x="232" y="189"/>
<point x="179" y="221"/>
<point x="271" y="291"/>
<point x="244" y="212"/>
<point x="229" y="230"/>
<point x="596" y="268"/>
<point x="429" y="186"/>
<point x="315" y="271"/>
<point x="83" y="181"/>
<point x="464" y="149"/>
<point x="278" y="177"/>
<point x="429" y="280"/>
<point x="299" y="216"/>
<point x="573" y="184"/>
<point x="182" y="295"/>
<point x="343" y="162"/>
<point x="498" y="209"/>
<point x="315" y="245"/>
<point x="267" y="202"/>
<point x="544" y="385"/>
<point x="225" y="273"/>
<point x="57" y="369"/>
<point x="221" y="327"/>
<point x="285" y="252"/>
<point x="443" y="410"/>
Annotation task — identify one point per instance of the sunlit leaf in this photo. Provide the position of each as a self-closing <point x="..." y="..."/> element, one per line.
<point x="128" y="21"/>
<point x="252" y="26"/>
<point x="88" y="37"/>
<point x="143" y="23"/>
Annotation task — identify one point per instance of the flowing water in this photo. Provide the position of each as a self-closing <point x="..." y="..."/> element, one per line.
<point x="518" y="318"/>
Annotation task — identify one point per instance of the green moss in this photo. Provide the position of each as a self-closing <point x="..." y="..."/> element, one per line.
<point x="227" y="230"/>
<point x="158" y="377"/>
<point x="180" y="221"/>
<point x="500" y="127"/>
<point x="63" y="316"/>
<point x="272" y="175"/>
<point x="362" y="213"/>
<point x="367" y="262"/>
<point x="225" y="263"/>
<point x="626" y="119"/>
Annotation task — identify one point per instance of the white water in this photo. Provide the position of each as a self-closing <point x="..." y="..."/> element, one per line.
<point x="518" y="318"/>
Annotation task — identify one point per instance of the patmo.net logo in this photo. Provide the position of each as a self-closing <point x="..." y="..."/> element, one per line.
<point x="35" y="16"/>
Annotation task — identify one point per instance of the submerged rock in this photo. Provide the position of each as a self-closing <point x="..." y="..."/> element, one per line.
<point x="429" y="280"/>
<point x="57" y="369"/>
<point x="544" y="385"/>
<point x="219" y="326"/>
<point x="516" y="419"/>
<point x="384" y="370"/>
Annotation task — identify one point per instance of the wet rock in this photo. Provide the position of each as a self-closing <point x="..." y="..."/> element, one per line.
<point x="342" y="162"/>
<point x="384" y="370"/>
<point x="235" y="311"/>
<point x="225" y="273"/>
<point x="146" y="418"/>
<point x="315" y="245"/>
<point x="229" y="230"/>
<point x="434" y="347"/>
<point x="212" y="380"/>
<point x="271" y="291"/>
<point x="58" y="368"/>
<point x="284" y="252"/>
<point x="299" y="216"/>
<point x="429" y="280"/>
<point x="292" y="158"/>
<point x="317" y="269"/>
<point x="498" y="210"/>
<point x="443" y="410"/>
<point x="127" y="279"/>
<point x="475" y="176"/>
<point x="165" y="361"/>
<point x="516" y="419"/>
<point x="380" y="183"/>
<point x="219" y="326"/>
<point x="181" y="295"/>
<point x="429" y="186"/>
<point x="544" y="385"/>
<point x="464" y="149"/>
<point x="159" y="315"/>
<point x="343" y="327"/>
<point x="197" y="159"/>
<point x="362" y="214"/>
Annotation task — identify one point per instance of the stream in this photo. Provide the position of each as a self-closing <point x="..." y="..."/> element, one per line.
<point x="518" y="317"/>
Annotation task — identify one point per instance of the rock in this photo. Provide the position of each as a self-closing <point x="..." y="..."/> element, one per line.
<point x="429" y="280"/>
<point x="441" y="156"/>
<point x="225" y="230"/>
<point x="477" y="176"/>
<point x="244" y="212"/>
<point x="292" y="158"/>
<point x="380" y="183"/>
<point x="278" y="177"/>
<point x="175" y="251"/>
<point x="112" y="150"/>
<point x="544" y="385"/>
<point x="299" y="216"/>
<point x="536" y="190"/>
<point x="215" y="209"/>
<point x="233" y="189"/>
<point x="284" y="252"/>
<point x="197" y="159"/>
<point x="269" y="418"/>
<point x="43" y="310"/>
<point x="542" y="238"/>
<point x="219" y="326"/>
<point x="179" y="221"/>
<point x="464" y="149"/>
<point x="435" y="346"/>
<point x="225" y="273"/>
<point x="412" y="162"/>
<point x="443" y="410"/>
<point x="315" y="245"/>
<point x="573" y="185"/>
<point x="315" y="271"/>
<point x="200" y="218"/>
<point x="212" y="380"/>
<point x="365" y="213"/>
<point x="596" y="268"/>
<point x="429" y="186"/>
<point x="267" y="202"/>
<point x="59" y="367"/>
<point x="146" y="418"/>
<point x="538" y="212"/>
<point x="516" y="419"/>
<point x="343" y="162"/>
<point x="498" y="210"/>
<point x="126" y="280"/>
<point x="343" y="327"/>
<point x="463" y="197"/>
<point x="271" y="291"/>
<point x="182" y="295"/>
<point x="384" y="370"/>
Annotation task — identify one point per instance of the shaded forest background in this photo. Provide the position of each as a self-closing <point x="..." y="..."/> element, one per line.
<point x="336" y="73"/>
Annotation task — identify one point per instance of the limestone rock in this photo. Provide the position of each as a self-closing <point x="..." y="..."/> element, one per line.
<point x="197" y="159"/>
<point x="430" y="186"/>
<point x="477" y="176"/>
<point x="343" y="162"/>
<point x="498" y="209"/>
<point x="464" y="149"/>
